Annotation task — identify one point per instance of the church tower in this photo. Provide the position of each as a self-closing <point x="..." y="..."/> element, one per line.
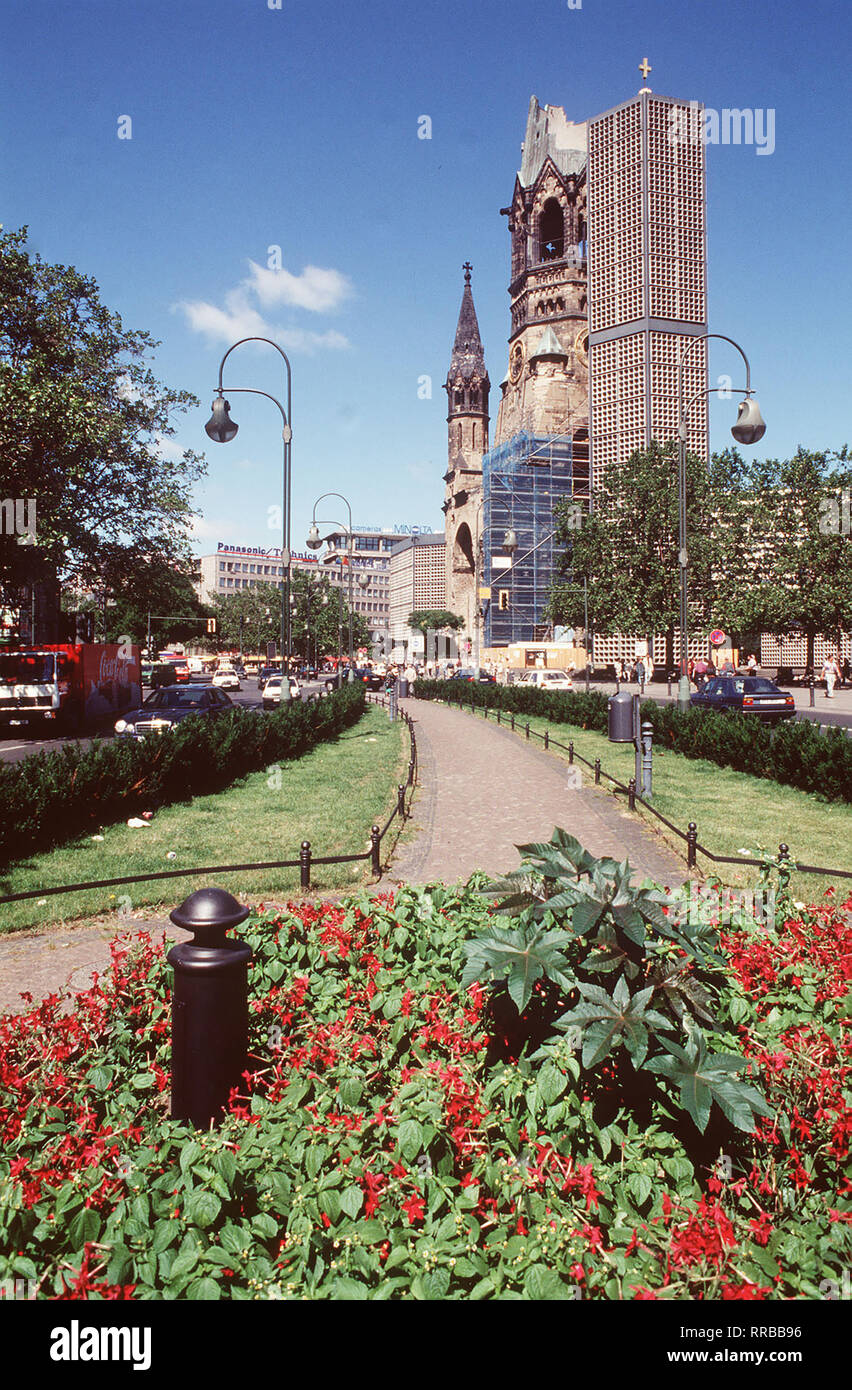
<point x="545" y="391"/>
<point x="467" y="387"/>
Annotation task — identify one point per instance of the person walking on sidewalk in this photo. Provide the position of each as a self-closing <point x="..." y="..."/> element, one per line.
<point x="640" y="675"/>
<point x="830" y="674"/>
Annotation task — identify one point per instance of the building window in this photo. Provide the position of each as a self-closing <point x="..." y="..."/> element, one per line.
<point x="551" y="232"/>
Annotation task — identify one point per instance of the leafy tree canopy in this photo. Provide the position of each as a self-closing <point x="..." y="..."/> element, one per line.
<point x="83" y="427"/>
<point x="319" y="618"/>
<point x="434" y="620"/>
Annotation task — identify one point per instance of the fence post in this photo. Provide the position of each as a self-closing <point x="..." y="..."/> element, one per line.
<point x="400" y="801"/>
<point x="498" y="715"/>
<point x="546" y="740"/>
<point x="513" y="721"/>
<point x="691" y="842"/>
<point x="811" y="684"/>
<point x="305" y="864"/>
<point x="631" y="794"/>
<point x="571" y="750"/>
<point x="647" y="759"/>
<point x="597" y="772"/>
<point x="528" y="731"/>
<point x="375" y="849"/>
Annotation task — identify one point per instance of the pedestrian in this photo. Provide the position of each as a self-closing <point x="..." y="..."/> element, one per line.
<point x="846" y="671"/>
<point x="830" y="674"/>
<point x="751" y="665"/>
<point x="410" y="675"/>
<point x="640" y="675"/>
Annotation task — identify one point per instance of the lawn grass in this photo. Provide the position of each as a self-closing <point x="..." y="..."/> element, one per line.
<point x="733" y="811"/>
<point x="331" y="797"/>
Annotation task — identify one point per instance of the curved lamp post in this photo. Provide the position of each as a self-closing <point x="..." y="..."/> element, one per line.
<point x="749" y="428"/>
<point x="315" y="540"/>
<point x="222" y="429"/>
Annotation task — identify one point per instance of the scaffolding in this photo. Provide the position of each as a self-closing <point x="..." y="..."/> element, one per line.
<point x="521" y="481"/>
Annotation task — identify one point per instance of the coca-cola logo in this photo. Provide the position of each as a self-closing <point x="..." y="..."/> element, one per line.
<point x="113" y="668"/>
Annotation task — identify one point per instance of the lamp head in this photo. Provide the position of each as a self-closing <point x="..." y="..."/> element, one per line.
<point x="314" y="540"/>
<point x="750" y="426"/>
<point x="510" y="542"/>
<point x="220" y="426"/>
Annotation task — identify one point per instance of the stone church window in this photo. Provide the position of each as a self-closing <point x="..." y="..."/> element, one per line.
<point x="551" y="232"/>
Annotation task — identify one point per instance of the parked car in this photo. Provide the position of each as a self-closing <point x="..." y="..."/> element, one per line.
<point x="226" y="678"/>
<point x="264" y="673"/>
<point x="745" y="695"/>
<point x="183" y="675"/>
<point x="465" y="674"/>
<point x="275" y="688"/>
<point x="546" y="680"/>
<point x="164" y="709"/>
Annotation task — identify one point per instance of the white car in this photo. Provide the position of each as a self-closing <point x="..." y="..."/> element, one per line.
<point x="548" y="680"/>
<point x="272" y="691"/>
<point x="227" y="679"/>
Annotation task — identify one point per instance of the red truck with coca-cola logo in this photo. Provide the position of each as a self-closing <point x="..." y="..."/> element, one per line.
<point x="68" y="687"/>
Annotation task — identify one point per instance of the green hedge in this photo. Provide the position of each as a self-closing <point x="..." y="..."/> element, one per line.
<point x="795" y="754"/>
<point x="53" y="797"/>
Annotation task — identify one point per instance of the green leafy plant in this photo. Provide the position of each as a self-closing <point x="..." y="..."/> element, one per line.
<point x="642" y="965"/>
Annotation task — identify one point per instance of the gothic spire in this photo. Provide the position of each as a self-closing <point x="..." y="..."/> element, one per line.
<point x="468" y="358"/>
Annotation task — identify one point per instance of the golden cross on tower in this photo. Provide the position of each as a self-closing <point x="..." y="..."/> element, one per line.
<point x="645" y="68"/>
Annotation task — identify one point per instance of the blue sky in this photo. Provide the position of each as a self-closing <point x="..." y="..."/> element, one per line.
<point x="255" y="127"/>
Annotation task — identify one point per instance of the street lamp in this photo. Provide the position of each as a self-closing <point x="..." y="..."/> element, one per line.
<point x="315" y="540"/>
<point x="222" y="429"/>
<point x="748" y="429"/>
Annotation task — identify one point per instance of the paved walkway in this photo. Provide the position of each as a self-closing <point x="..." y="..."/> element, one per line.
<point x="482" y="790"/>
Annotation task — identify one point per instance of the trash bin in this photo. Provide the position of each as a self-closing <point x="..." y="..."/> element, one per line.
<point x="402" y="688"/>
<point x="620" y="717"/>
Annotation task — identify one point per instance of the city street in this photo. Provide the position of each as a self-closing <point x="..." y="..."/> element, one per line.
<point x="835" y="711"/>
<point x="16" y="743"/>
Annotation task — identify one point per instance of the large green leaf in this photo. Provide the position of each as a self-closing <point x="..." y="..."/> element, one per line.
<point x="606" y="1019"/>
<point x="519" y="957"/>
<point x="703" y="1078"/>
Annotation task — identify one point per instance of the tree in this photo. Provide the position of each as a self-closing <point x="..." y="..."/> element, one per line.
<point x="315" y="617"/>
<point x="627" y="548"/>
<point x="82" y="425"/>
<point x="434" y="620"/>
<point x="131" y="590"/>
<point x="428" y="620"/>
<point x="790" y="572"/>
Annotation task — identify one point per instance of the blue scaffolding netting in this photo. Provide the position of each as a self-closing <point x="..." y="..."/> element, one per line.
<point x="521" y="481"/>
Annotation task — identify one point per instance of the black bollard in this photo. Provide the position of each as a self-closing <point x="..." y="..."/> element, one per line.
<point x="209" y="1006"/>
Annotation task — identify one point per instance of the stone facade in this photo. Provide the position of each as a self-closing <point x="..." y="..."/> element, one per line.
<point x="545" y="391"/>
<point x="467" y="387"/>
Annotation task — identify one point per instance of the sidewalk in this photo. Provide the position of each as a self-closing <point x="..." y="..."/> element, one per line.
<point x="837" y="710"/>
<point x="482" y="790"/>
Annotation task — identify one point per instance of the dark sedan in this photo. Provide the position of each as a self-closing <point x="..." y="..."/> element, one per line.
<point x="745" y="695"/>
<point x="165" y="708"/>
<point x="468" y="675"/>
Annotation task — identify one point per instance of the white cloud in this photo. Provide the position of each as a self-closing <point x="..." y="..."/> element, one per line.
<point x="317" y="289"/>
<point x="237" y="320"/>
<point x="168" y="448"/>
